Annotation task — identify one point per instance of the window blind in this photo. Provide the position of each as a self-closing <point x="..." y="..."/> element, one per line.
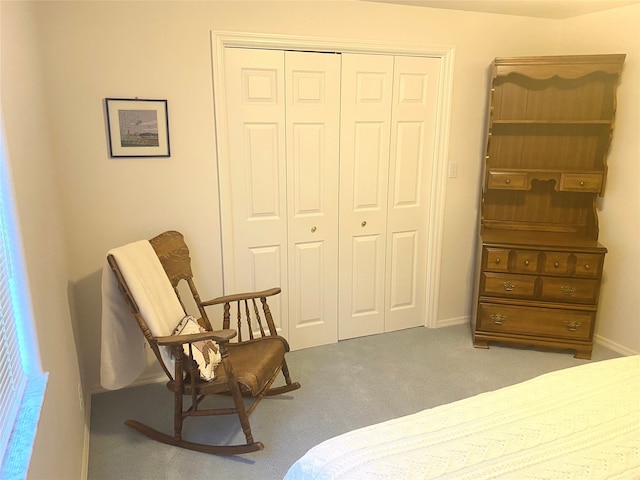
<point x="22" y="381"/>
<point x="13" y="379"/>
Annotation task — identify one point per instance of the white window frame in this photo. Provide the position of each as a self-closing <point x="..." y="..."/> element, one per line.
<point x="22" y="381"/>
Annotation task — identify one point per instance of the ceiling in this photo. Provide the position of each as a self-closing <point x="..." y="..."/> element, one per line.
<point x="558" y="9"/>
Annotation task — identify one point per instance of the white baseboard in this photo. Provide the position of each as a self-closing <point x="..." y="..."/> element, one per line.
<point x="448" y="322"/>
<point x="144" y="379"/>
<point x="616" y="347"/>
<point x="87" y="438"/>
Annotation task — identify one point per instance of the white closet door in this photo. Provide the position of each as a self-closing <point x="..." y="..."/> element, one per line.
<point x="410" y="165"/>
<point x="367" y="84"/>
<point x="312" y="135"/>
<point x="387" y="147"/>
<point x="283" y="121"/>
<point x="254" y="179"/>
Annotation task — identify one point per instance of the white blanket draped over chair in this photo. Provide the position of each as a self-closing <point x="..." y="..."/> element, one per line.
<point x="123" y="356"/>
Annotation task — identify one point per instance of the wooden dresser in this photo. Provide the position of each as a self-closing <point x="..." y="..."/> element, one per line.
<point x="550" y="123"/>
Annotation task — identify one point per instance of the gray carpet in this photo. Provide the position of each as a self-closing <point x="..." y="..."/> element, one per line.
<point x="347" y="385"/>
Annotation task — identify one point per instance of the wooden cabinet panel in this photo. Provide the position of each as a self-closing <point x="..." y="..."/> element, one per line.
<point x="569" y="290"/>
<point x="581" y="182"/>
<point x="496" y="260"/>
<point x="525" y="261"/>
<point x="508" y="180"/>
<point x="536" y="321"/>
<point x="588" y="265"/>
<point x="510" y="286"/>
<point x="556" y="263"/>
<point x="550" y="121"/>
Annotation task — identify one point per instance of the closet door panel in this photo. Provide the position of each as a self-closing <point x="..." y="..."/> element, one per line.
<point x="312" y="130"/>
<point x="411" y="157"/>
<point x="256" y="257"/>
<point x="365" y="298"/>
<point x="403" y="270"/>
<point x="364" y="159"/>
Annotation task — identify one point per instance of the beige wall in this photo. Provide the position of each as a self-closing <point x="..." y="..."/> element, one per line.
<point x="60" y="441"/>
<point x="619" y="212"/>
<point x="161" y="50"/>
<point x="93" y="50"/>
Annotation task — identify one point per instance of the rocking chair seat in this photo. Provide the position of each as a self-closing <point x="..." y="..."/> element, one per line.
<point x="254" y="362"/>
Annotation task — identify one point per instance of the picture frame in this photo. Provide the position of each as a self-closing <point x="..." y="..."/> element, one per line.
<point x="137" y="127"/>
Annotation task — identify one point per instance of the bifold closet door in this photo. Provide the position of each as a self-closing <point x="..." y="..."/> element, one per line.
<point x="312" y="89"/>
<point x="367" y="92"/>
<point x="413" y="127"/>
<point x="282" y="119"/>
<point x="387" y="139"/>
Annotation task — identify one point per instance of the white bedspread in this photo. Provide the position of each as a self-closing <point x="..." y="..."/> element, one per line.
<point x="580" y="423"/>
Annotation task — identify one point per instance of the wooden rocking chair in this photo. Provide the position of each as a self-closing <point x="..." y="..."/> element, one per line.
<point x="247" y="368"/>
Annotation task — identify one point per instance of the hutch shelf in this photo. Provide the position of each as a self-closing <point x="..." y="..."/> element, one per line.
<point x="550" y="123"/>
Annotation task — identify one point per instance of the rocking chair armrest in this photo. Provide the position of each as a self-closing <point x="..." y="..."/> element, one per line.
<point x="220" y="336"/>
<point x="242" y="296"/>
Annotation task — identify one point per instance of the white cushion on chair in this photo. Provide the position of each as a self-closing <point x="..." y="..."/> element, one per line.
<point x="206" y="353"/>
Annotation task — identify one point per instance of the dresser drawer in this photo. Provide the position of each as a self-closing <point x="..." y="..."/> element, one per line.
<point x="535" y="321"/>
<point x="588" y="265"/>
<point x="580" y="182"/>
<point x="508" y="285"/>
<point x="525" y="261"/>
<point x="556" y="263"/>
<point x="508" y="180"/>
<point x="570" y="290"/>
<point x="496" y="259"/>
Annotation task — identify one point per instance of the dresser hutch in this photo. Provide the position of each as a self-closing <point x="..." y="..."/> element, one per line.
<point x="550" y="123"/>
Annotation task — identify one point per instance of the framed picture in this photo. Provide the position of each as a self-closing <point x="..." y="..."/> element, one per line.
<point x="137" y="128"/>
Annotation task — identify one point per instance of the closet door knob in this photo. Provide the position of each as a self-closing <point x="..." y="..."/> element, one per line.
<point x="364" y="223"/>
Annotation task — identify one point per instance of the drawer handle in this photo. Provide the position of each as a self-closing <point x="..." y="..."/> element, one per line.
<point x="556" y="264"/>
<point x="498" y="318"/>
<point x="526" y="263"/>
<point x="587" y="266"/>
<point x="313" y="229"/>
<point x="582" y="183"/>
<point x="508" y="286"/>
<point x="572" y="326"/>
<point x="507" y="181"/>
<point x="567" y="290"/>
<point x="497" y="261"/>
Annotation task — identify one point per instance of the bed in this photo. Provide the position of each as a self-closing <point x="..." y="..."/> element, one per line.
<point x="578" y="423"/>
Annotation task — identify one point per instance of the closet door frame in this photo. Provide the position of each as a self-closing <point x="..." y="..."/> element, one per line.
<point x="435" y="223"/>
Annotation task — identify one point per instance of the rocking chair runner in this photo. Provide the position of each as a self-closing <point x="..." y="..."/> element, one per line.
<point x="247" y="367"/>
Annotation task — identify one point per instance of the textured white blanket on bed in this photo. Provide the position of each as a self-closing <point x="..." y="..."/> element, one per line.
<point x="580" y="423"/>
